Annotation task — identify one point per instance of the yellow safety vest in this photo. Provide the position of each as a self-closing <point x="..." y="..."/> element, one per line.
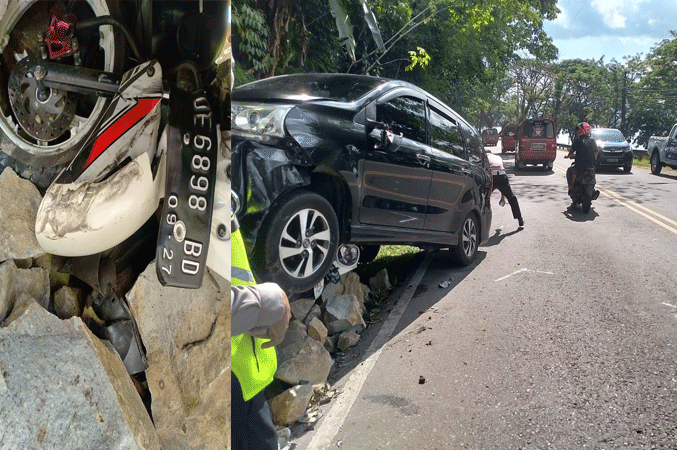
<point x="253" y="366"/>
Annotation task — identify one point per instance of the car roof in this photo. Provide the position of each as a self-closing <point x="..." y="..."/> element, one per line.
<point x="312" y="87"/>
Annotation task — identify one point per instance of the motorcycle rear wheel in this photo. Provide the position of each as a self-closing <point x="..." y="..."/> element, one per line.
<point x="586" y="203"/>
<point x="103" y="49"/>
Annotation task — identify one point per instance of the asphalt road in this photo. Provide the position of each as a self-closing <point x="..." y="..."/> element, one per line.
<point x="563" y="335"/>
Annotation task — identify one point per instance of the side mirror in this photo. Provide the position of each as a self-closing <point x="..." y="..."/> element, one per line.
<point x="391" y="141"/>
<point x="375" y="125"/>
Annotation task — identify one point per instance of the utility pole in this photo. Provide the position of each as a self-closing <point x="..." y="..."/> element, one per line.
<point x="623" y="101"/>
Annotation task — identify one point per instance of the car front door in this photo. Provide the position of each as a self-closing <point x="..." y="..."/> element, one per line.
<point x="396" y="178"/>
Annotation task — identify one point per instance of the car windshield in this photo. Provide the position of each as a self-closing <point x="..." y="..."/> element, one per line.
<point x="338" y="88"/>
<point x="538" y="129"/>
<point x="608" y="135"/>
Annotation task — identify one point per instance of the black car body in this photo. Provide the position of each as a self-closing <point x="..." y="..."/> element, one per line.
<point x="351" y="159"/>
<point x="614" y="149"/>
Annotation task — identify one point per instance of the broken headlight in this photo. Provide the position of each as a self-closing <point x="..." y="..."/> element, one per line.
<point x="258" y="121"/>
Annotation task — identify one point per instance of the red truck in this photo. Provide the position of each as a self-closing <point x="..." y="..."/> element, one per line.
<point x="536" y="143"/>
<point x="490" y="137"/>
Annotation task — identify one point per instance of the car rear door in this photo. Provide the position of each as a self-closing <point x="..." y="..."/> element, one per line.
<point x="395" y="182"/>
<point x="451" y="171"/>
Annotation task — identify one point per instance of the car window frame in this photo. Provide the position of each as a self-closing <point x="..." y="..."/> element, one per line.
<point x="402" y="92"/>
<point x="448" y="114"/>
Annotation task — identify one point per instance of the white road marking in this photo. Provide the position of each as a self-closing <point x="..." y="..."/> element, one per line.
<point x="524" y="270"/>
<point x="334" y="418"/>
<point x="668" y="304"/>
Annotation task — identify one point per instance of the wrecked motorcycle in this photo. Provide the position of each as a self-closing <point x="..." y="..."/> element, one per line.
<point x="134" y="109"/>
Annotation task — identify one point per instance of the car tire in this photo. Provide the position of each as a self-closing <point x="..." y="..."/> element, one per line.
<point x="656" y="165"/>
<point x="627" y="168"/>
<point x="468" y="241"/>
<point x="297" y="266"/>
<point x="368" y="253"/>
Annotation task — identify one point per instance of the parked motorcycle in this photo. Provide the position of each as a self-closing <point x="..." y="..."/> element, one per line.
<point x="128" y="96"/>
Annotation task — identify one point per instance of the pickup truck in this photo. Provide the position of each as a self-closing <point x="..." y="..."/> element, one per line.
<point x="663" y="151"/>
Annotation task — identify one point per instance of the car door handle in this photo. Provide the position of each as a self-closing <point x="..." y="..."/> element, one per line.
<point x="423" y="159"/>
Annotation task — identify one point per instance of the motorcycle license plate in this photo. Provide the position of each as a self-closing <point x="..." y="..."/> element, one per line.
<point x="192" y="147"/>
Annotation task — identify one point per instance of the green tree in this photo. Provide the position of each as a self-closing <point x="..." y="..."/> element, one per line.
<point x="653" y="108"/>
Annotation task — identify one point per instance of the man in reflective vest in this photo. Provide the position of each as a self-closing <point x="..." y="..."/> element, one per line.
<point x="259" y="318"/>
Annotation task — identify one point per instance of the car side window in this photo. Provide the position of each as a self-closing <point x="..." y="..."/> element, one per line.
<point x="474" y="146"/>
<point x="405" y="115"/>
<point x="446" y="134"/>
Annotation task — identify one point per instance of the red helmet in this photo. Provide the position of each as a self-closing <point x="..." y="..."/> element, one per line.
<point x="583" y="129"/>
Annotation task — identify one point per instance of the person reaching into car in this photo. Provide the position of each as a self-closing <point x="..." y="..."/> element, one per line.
<point x="501" y="182"/>
<point x="584" y="152"/>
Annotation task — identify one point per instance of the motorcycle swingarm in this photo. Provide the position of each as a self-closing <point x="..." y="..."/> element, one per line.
<point x="80" y="80"/>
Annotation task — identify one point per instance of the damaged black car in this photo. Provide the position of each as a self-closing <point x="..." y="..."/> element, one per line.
<point x="320" y="161"/>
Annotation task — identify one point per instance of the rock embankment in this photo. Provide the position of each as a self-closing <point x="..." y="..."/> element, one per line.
<point x="62" y="386"/>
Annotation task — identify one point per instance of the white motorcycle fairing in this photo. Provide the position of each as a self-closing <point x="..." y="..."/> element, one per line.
<point x="80" y="219"/>
<point x="87" y="210"/>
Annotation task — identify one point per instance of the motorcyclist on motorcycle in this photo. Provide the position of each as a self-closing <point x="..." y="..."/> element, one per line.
<point x="584" y="152"/>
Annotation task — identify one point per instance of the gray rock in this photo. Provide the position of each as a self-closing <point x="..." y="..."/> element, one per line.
<point x="67" y="303"/>
<point x="349" y="284"/>
<point x="315" y="313"/>
<point x="343" y="313"/>
<point x="317" y="330"/>
<point x="297" y="325"/>
<point x="331" y="343"/>
<point x="301" y="307"/>
<point x="186" y="333"/>
<point x="290" y="405"/>
<point x="300" y="357"/>
<point x="354" y="286"/>
<point x="14" y="281"/>
<point x="19" y="202"/>
<point x="380" y="281"/>
<point x="64" y="388"/>
<point x="331" y="290"/>
<point x="347" y="339"/>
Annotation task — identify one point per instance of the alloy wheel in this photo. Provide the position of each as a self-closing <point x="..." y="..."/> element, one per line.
<point x="469" y="237"/>
<point x="304" y="244"/>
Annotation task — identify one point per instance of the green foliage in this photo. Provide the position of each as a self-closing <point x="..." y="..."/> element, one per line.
<point x="345" y="28"/>
<point x="419" y="58"/>
<point x="252" y="30"/>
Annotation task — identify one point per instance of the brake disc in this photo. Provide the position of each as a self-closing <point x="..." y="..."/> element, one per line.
<point x="42" y="120"/>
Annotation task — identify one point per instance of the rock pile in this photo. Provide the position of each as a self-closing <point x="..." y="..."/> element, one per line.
<point x="318" y="329"/>
<point x="63" y="387"/>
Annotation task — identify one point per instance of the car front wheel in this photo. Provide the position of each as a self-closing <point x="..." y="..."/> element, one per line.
<point x="297" y="244"/>
<point x="468" y="241"/>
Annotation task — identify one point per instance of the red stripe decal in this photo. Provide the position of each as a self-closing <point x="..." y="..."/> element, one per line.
<point x="121" y="126"/>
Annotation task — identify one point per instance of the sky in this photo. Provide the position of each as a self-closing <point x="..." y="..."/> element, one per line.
<point x="590" y="29"/>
